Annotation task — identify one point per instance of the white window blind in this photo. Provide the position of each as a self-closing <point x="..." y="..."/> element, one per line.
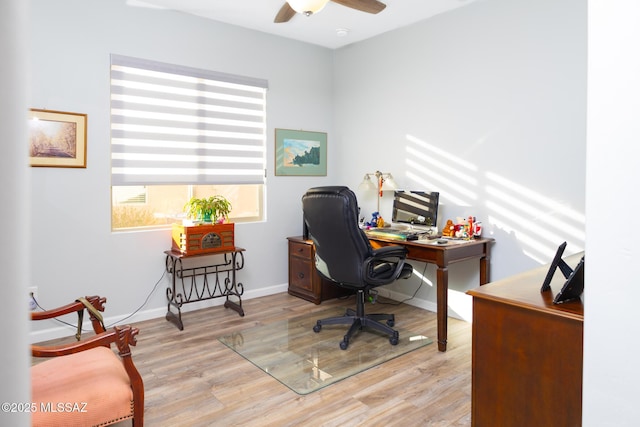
<point x="178" y="125"/>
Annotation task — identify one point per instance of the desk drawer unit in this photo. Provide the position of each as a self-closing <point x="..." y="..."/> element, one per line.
<point x="301" y="250"/>
<point x="304" y="280"/>
<point x="300" y="274"/>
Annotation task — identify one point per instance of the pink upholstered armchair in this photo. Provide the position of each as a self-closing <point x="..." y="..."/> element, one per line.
<point x="85" y="383"/>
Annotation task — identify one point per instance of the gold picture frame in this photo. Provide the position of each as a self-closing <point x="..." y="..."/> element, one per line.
<point x="57" y="139"/>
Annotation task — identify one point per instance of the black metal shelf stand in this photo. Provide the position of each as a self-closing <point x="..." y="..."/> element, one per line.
<point x="193" y="281"/>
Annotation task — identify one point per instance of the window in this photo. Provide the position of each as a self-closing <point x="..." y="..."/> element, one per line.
<point x="178" y="132"/>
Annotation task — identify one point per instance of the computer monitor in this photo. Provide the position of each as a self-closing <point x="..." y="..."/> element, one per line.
<point x="415" y="207"/>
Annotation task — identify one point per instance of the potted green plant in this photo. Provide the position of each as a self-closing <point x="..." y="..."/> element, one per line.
<point x="214" y="209"/>
<point x="207" y="229"/>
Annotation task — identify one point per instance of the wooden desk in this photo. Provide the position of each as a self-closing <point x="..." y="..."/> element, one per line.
<point x="442" y="256"/>
<point x="526" y="353"/>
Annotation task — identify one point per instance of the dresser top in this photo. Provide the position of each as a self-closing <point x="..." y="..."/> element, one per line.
<point x="524" y="290"/>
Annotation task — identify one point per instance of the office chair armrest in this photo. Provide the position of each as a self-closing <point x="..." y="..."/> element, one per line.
<point x="395" y="251"/>
<point x="385" y="265"/>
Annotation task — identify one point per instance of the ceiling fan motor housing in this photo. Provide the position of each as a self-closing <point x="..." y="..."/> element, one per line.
<point x="307" y="7"/>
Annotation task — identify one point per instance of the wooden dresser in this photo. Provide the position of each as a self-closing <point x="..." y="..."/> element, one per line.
<point x="526" y="353"/>
<point x="304" y="280"/>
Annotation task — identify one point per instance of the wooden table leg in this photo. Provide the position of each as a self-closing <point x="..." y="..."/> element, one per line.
<point x="484" y="265"/>
<point x="442" y="304"/>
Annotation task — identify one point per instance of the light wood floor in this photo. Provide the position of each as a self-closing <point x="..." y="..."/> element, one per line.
<point x="192" y="379"/>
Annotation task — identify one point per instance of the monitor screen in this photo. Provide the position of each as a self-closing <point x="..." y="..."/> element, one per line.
<point x="415" y="207"/>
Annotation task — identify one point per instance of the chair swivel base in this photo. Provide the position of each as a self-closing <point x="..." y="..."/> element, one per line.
<point x="358" y="321"/>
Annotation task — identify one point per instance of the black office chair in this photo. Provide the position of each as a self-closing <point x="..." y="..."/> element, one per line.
<point x="345" y="256"/>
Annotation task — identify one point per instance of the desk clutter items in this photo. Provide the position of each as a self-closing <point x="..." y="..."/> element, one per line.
<point x="376" y="221"/>
<point x="392" y="233"/>
<point x="462" y="228"/>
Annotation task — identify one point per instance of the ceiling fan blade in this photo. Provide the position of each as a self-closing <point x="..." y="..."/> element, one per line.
<point x="369" y="6"/>
<point x="284" y="14"/>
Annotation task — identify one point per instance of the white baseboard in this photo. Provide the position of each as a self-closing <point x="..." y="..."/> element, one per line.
<point x="63" y="330"/>
<point x="416" y="302"/>
<point x="66" y="331"/>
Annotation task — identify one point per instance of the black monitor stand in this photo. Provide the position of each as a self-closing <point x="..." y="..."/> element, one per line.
<point x="574" y="286"/>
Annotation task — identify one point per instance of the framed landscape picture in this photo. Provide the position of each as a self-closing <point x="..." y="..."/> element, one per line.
<point x="57" y="139"/>
<point x="301" y="153"/>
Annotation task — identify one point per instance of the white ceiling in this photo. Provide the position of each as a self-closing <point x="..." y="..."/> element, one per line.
<point x="321" y="28"/>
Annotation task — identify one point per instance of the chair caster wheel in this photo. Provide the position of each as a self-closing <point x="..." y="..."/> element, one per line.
<point x="343" y="345"/>
<point x="394" y="339"/>
<point x="391" y="323"/>
<point x="317" y="328"/>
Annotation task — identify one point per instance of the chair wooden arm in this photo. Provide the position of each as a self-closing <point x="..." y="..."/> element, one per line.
<point x="121" y="336"/>
<point x="84" y="351"/>
<point x="75" y="307"/>
<point x="127" y="336"/>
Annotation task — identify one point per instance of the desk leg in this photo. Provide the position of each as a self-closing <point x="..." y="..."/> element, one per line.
<point x="484" y="265"/>
<point x="443" y="304"/>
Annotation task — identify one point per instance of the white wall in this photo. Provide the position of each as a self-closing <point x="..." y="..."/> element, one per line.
<point x="14" y="363"/>
<point x="487" y="105"/>
<point x="611" y="371"/>
<point x="73" y="249"/>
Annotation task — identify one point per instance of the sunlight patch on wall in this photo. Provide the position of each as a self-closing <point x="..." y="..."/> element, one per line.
<point x="519" y="217"/>
<point x="438" y="169"/>
<point x="441" y="154"/>
<point x="539" y="223"/>
<point x="460" y="304"/>
<point x="423" y="279"/>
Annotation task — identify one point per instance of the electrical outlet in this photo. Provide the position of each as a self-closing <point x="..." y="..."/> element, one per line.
<point x="33" y="297"/>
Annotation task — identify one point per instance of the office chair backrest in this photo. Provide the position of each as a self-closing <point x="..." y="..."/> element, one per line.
<point x="331" y="215"/>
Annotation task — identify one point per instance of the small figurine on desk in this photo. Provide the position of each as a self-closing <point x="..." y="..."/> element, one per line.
<point x="463" y="228"/>
<point x="449" y="229"/>
<point x="374" y="220"/>
<point x="461" y="231"/>
<point x="477" y="230"/>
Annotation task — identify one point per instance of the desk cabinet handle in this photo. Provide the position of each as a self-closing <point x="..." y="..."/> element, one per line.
<point x="300" y="275"/>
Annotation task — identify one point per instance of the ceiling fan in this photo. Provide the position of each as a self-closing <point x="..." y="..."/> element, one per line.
<point x="308" y="7"/>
